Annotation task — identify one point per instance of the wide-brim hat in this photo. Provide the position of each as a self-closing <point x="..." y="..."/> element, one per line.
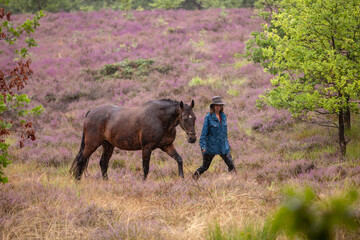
<point x="217" y="100"/>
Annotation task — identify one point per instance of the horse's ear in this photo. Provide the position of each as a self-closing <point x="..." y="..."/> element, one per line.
<point x="182" y="105"/>
<point x="192" y="104"/>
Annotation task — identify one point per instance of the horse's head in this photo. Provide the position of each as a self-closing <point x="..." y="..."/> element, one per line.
<point x="187" y="121"/>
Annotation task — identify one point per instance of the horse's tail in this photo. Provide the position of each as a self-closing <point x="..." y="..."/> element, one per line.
<point x="77" y="167"/>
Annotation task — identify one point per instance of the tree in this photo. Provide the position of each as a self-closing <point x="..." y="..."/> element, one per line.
<point x="313" y="50"/>
<point x="166" y="4"/>
<point x="255" y="46"/>
<point x="265" y="8"/>
<point x="225" y="3"/>
<point x="33" y="6"/>
<point x="201" y="4"/>
<point x="13" y="110"/>
<point x="126" y="5"/>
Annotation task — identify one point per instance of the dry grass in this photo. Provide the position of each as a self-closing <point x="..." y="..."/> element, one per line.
<point x="53" y="206"/>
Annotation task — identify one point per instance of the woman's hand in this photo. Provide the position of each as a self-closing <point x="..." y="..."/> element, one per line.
<point x="203" y="150"/>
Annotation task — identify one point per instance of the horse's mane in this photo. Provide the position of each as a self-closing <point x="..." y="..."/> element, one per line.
<point x="164" y="100"/>
<point x="172" y="102"/>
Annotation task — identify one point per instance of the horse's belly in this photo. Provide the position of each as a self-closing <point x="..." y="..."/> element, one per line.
<point x="127" y="143"/>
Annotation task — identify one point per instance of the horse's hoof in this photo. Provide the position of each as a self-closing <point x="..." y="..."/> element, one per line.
<point x="196" y="176"/>
<point x="77" y="178"/>
<point x="233" y="171"/>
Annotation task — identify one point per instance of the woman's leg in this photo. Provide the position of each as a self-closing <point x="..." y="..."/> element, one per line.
<point x="229" y="161"/>
<point x="207" y="158"/>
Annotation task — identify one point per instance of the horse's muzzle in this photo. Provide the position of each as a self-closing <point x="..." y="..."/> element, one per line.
<point x="191" y="138"/>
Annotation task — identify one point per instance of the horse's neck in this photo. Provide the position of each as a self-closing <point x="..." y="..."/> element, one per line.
<point x="174" y="123"/>
<point x="171" y="117"/>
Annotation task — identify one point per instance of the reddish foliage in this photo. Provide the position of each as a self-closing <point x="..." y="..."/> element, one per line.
<point x="16" y="78"/>
<point x="27" y="132"/>
<point x="2" y="13"/>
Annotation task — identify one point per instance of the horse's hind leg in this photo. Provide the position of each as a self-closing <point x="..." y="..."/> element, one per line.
<point x="171" y="151"/>
<point x="105" y="157"/>
<point x="81" y="161"/>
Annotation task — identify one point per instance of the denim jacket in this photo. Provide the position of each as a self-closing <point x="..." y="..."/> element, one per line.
<point x="214" y="135"/>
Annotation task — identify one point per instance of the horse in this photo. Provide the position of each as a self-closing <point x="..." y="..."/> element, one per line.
<point x="145" y="127"/>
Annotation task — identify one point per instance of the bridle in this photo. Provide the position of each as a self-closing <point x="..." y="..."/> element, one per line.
<point x="183" y="127"/>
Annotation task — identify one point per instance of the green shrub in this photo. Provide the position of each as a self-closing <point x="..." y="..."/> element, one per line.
<point x="118" y="164"/>
<point x="134" y="69"/>
<point x="303" y="215"/>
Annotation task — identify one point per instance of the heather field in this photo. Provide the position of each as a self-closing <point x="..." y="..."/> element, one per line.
<point x="108" y="57"/>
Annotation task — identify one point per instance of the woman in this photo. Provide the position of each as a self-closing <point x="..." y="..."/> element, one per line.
<point x="213" y="139"/>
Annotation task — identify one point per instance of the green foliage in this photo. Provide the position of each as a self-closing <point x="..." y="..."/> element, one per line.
<point x="249" y="233"/>
<point x="313" y="49"/>
<point x="13" y="106"/>
<point x="4" y="155"/>
<point x="265" y="8"/>
<point x="125" y="5"/>
<point x="225" y="3"/>
<point x="353" y="147"/>
<point x="17" y="103"/>
<point x="203" y="4"/>
<point x="141" y="4"/>
<point x="233" y="92"/>
<point x="316" y="59"/>
<point x="133" y="69"/>
<point x="301" y="216"/>
<point x="118" y="164"/>
<point x="213" y="81"/>
<point x="166" y="4"/>
<point x="33" y="6"/>
<point x="255" y="46"/>
<point x="195" y="81"/>
<point x="13" y="32"/>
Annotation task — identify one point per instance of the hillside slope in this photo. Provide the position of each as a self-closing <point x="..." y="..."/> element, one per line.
<point x="89" y="59"/>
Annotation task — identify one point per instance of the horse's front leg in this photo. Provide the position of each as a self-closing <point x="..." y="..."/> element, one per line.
<point x="146" y="154"/>
<point x="171" y="151"/>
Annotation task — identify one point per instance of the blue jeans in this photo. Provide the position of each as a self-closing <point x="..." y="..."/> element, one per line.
<point x="207" y="158"/>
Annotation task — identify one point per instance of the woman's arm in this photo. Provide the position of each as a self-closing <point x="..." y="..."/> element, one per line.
<point x="204" y="133"/>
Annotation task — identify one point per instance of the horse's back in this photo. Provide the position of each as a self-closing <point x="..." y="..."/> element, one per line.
<point x="99" y="116"/>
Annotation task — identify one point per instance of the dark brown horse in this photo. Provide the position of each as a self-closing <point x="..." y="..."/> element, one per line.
<point x="146" y="127"/>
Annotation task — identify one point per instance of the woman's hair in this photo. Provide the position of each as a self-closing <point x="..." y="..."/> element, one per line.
<point x="212" y="108"/>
